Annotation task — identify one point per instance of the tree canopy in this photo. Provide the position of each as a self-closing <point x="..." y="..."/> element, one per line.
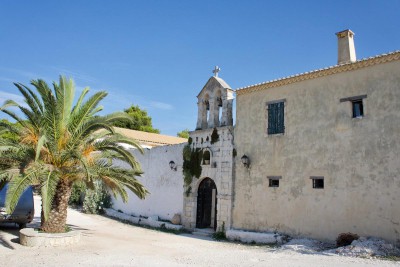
<point x="61" y="143"/>
<point x="183" y="134"/>
<point x="140" y="120"/>
<point x="5" y="133"/>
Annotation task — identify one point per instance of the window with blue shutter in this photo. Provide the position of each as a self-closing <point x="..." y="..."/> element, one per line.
<point x="276" y="118"/>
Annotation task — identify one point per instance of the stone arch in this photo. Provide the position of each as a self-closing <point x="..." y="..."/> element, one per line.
<point x="205" y="116"/>
<point x="206" y="213"/>
<point x="218" y="108"/>
<point x="207" y="155"/>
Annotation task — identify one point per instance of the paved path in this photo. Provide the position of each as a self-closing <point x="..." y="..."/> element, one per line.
<point x="107" y="242"/>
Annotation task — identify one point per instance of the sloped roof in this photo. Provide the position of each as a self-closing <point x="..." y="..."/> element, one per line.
<point x="222" y="82"/>
<point x="150" y="139"/>
<point x="218" y="80"/>
<point x="379" y="59"/>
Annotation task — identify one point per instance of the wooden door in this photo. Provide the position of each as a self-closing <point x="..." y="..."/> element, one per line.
<point x="206" y="211"/>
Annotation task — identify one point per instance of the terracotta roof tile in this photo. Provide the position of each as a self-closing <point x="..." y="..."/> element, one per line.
<point x="150" y="139"/>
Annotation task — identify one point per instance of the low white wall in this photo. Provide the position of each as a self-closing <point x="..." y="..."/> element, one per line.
<point x="249" y="237"/>
<point x="142" y="221"/>
<point x="165" y="185"/>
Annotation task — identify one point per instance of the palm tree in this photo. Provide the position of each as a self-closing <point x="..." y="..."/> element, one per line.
<point x="61" y="143"/>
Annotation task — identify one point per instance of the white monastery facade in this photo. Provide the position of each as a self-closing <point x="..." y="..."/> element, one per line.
<point x="314" y="154"/>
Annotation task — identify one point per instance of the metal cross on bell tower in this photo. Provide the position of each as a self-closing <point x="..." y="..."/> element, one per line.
<point x="216" y="70"/>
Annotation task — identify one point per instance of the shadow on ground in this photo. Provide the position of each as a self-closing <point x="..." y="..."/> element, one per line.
<point x="8" y="230"/>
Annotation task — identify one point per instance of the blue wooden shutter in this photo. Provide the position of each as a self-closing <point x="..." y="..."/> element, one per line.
<point x="271" y="118"/>
<point x="276" y="118"/>
<point x="280" y="124"/>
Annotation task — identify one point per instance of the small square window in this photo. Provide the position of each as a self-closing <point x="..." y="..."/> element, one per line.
<point x="317" y="182"/>
<point x="356" y="104"/>
<point x="358" y="109"/>
<point x="274" y="181"/>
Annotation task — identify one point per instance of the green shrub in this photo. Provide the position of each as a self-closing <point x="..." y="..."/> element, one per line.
<point x="191" y="163"/>
<point x="77" y="194"/>
<point x="220" y="235"/>
<point x="97" y="199"/>
<point x="214" y="136"/>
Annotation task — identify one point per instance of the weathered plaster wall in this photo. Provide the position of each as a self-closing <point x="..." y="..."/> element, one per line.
<point x="359" y="158"/>
<point x="164" y="184"/>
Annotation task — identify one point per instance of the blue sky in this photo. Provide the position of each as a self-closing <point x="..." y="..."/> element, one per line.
<point x="159" y="54"/>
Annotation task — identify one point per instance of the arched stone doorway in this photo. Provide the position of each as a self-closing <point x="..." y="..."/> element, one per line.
<point x="206" y="216"/>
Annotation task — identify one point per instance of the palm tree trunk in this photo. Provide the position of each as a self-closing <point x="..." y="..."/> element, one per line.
<point x="57" y="219"/>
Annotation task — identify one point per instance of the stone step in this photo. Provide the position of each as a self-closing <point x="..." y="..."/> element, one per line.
<point x="203" y="232"/>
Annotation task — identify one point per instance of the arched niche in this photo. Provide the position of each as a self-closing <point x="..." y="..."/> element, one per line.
<point x="206" y="156"/>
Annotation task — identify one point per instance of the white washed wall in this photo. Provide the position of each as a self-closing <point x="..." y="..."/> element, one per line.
<point x="165" y="185"/>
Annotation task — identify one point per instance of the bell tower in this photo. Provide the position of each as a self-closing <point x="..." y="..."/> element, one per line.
<point x="208" y="197"/>
<point x="215" y="103"/>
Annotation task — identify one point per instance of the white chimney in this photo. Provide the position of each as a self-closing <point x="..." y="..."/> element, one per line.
<point x="346" y="50"/>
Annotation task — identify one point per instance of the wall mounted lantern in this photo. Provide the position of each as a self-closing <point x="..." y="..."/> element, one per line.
<point x="245" y="160"/>
<point x="172" y="165"/>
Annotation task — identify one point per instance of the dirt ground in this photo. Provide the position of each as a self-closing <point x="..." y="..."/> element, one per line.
<point x="107" y="242"/>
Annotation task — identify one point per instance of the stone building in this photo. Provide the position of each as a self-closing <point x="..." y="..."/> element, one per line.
<point x="315" y="154"/>
<point x="323" y="148"/>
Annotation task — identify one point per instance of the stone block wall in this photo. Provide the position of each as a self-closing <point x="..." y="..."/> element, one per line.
<point x="219" y="170"/>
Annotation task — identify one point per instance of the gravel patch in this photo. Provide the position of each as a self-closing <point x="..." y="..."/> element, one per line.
<point x="108" y="242"/>
<point x="306" y="246"/>
<point x="362" y="248"/>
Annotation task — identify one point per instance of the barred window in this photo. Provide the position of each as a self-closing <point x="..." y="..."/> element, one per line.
<point x="276" y="118"/>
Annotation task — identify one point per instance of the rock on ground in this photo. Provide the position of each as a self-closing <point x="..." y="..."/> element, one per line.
<point x="367" y="247"/>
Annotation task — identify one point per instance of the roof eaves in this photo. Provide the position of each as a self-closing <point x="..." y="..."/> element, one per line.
<point x="383" y="58"/>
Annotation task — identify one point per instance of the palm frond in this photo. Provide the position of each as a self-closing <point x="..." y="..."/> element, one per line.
<point x="48" y="190"/>
<point x="38" y="102"/>
<point x="78" y="104"/>
<point x="85" y="111"/>
<point x="16" y="187"/>
<point x="7" y="127"/>
<point x="117" y="116"/>
<point x="118" y="178"/>
<point x="7" y="175"/>
<point x="14" y="116"/>
<point x="32" y="117"/>
<point x="39" y="146"/>
<point x="29" y="98"/>
<point x="8" y="103"/>
<point x="126" y="155"/>
<point x="65" y="93"/>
